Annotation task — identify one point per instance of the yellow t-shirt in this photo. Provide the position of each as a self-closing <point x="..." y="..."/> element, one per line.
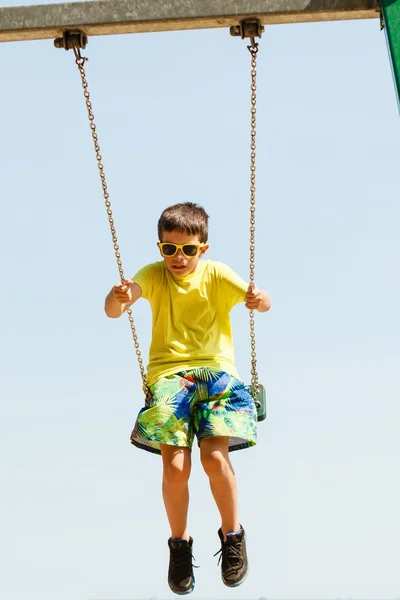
<point x="191" y="324"/>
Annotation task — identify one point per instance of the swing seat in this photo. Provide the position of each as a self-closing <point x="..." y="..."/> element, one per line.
<point x="261" y="403"/>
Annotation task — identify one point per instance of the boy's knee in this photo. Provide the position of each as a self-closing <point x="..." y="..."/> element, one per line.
<point x="215" y="463"/>
<point x="176" y="474"/>
<point x="177" y="470"/>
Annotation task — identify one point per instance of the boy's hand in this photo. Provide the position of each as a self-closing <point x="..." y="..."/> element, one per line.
<point x="254" y="297"/>
<point x="122" y="292"/>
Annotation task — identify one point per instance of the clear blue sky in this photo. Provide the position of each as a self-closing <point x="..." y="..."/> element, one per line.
<point x="81" y="514"/>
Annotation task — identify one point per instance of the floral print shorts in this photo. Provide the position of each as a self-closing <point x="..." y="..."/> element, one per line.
<point x="202" y="402"/>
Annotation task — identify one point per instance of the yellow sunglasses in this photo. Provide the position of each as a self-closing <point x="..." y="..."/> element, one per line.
<point x="188" y="250"/>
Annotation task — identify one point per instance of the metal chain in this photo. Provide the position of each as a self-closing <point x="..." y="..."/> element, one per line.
<point x="80" y="61"/>
<point x="253" y="49"/>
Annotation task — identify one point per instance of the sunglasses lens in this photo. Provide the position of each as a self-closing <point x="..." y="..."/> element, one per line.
<point x="168" y="249"/>
<point x="190" y="250"/>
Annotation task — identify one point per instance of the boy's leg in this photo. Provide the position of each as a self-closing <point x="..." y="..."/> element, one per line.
<point x="215" y="460"/>
<point x="216" y="463"/>
<point x="177" y="463"/>
<point x="175" y="489"/>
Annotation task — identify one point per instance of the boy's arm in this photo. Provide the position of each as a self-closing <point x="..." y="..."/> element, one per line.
<point x="121" y="295"/>
<point x="235" y="288"/>
<point x="257" y="299"/>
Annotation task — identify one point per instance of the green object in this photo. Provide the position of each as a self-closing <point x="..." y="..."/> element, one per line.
<point x="261" y="403"/>
<point x="391" y="21"/>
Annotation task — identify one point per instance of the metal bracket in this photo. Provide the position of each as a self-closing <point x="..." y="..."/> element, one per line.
<point x="380" y="11"/>
<point x="71" y="40"/>
<point x="248" y="28"/>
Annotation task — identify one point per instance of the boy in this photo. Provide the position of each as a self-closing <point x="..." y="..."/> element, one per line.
<point x="194" y="387"/>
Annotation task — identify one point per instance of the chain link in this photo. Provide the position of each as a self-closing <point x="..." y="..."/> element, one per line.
<point x="80" y="61"/>
<point x="253" y="49"/>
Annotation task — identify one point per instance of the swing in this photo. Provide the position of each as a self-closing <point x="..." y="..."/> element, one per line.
<point x="249" y="28"/>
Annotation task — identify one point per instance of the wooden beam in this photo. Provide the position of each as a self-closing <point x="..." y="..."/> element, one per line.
<point x="109" y="17"/>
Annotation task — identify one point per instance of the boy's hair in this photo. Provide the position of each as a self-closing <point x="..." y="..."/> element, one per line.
<point x="186" y="217"/>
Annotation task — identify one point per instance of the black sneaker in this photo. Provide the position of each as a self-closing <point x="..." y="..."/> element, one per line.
<point x="180" y="573"/>
<point x="234" y="558"/>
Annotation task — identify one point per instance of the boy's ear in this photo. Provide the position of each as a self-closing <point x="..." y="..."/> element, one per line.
<point x="158" y="246"/>
<point x="204" y="249"/>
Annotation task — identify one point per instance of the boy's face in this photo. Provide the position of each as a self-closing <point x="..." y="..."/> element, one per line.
<point x="180" y="264"/>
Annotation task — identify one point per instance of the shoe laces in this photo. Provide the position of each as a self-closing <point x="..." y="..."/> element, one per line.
<point x="231" y="555"/>
<point x="181" y="560"/>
